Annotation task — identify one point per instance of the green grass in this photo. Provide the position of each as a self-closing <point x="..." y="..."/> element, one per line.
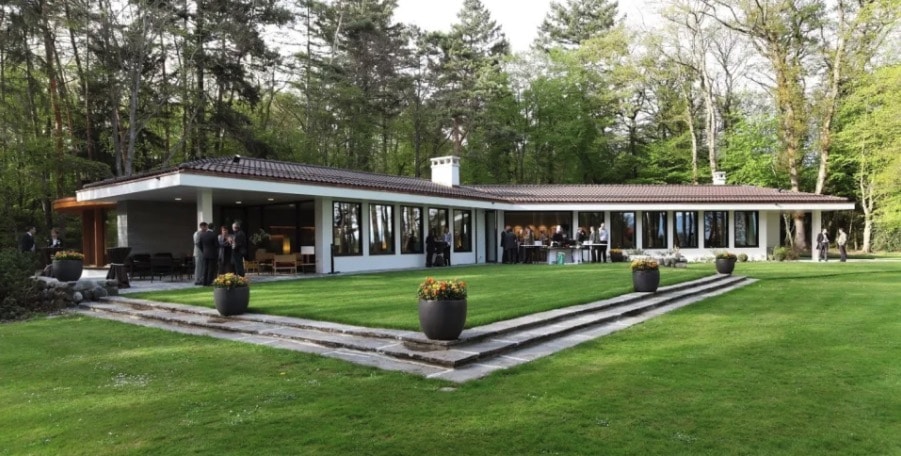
<point x="803" y="362"/>
<point x="496" y="292"/>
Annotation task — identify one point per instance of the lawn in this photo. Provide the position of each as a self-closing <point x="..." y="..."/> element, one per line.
<point x="388" y="300"/>
<point x="804" y="361"/>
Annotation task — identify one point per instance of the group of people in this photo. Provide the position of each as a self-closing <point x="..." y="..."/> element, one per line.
<point x="217" y="254"/>
<point x="517" y="246"/>
<point x="823" y="245"/>
<point x="438" y="248"/>
<point x="28" y="243"/>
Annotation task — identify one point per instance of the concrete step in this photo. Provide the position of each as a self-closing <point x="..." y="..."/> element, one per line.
<point x="410" y="351"/>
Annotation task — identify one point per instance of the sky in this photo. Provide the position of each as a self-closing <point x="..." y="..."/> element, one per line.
<point x="519" y="19"/>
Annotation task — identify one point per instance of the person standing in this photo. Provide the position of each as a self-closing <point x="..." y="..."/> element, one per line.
<point x="239" y="248"/>
<point x="209" y="246"/>
<point x="823" y="245"/>
<point x="604" y="240"/>
<point x="26" y="244"/>
<point x="593" y="240"/>
<point x="842" y="241"/>
<point x="198" y="256"/>
<point x="225" y="250"/>
<point x="429" y="248"/>
<point x="448" y="241"/>
<point x="55" y="242"/>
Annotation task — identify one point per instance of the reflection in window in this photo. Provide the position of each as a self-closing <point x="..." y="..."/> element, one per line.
<point x="346" y="220"/>
<point x="381" y="229"/>
<point x="686" y="230"/>
<point x="462" y="231"/>
<point x="590" y="219"/>
<point x="653" y="230"/>
<point x="716" y="230"/>
<point x="411" y="229"/>
<point x="746" y="229"/>
<point x="622" y="230"/>
<point x="438" y="221"/>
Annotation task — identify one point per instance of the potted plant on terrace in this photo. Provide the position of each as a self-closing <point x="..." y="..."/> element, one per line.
<point x="645" y="275"/>
<point x="67" y="265"/>
<point x="231" y="294"/>
<point x="442" y="308"/>
<point x="725" y="262"/>
<point x="616" y="255"/>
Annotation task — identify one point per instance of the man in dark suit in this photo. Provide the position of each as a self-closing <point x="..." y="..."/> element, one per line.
<point x="239" y="248"/>
<point x="209" y="248"/>
<point x="26" y="244"/>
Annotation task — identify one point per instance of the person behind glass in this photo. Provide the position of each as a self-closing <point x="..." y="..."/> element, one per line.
<point x="558" y="237"/>
<point x="603" y="239"/>
<point x="209" y="246"/>
<point x="429" y="249"/>
<point x="225" y="250"/>
<point x="198" y="256"/>
<point x="594" y="241"/>
<point x="239" y="248"/>
<point x="55" y="242"/>
<point x="508" y="242"/>
<point x="26" y="244"/>
<point x="528" y="240"/>
<point x="823" y="245"/>
<point x="448" y="240"/>
<point x="842" y="241"/>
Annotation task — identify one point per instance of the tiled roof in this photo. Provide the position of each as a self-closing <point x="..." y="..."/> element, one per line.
<point x="272" y="170"/>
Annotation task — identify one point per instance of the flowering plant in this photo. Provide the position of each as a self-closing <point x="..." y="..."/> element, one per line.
<point x="644" y="264"/>
<point x="230" y="281"/>
<point x="433" y="290"/>
<point x="68" y="255"/>
<point x="725" y="256"/>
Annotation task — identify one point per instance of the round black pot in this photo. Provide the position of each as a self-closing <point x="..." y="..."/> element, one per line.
<point x="442" y="320"/>
<point x="646" y="281"/>
<point x="67" y="270"/>
<point x="725" y="266"/>
<point x="231" y="301"/>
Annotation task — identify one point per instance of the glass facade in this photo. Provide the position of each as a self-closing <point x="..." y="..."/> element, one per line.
<point x="590" y="219"/>
<point x="411" y="229"/>
<point x="747" y="228"/>
<point x="438" y="222"/>
<point x="462" y="231"/>
<point x="716" y="229"/>
<point x="686" y="227"/>
<point x="381" y="229"/>
<point x="653" y="230"/>
<point x="622" y="230"/>
<point x="346" y="224"/>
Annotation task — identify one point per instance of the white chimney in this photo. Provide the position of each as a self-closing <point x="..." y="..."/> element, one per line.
<point x="446" y="171"/>
<point x="719" y="178"/>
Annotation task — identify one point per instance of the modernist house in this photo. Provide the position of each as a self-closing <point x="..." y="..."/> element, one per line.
<point x="355" y="221"/>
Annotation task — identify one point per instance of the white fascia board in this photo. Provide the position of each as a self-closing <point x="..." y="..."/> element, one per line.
<point x="117" y="191"/>
<point x="336" y="193"/>
<point x="680" y="207"/>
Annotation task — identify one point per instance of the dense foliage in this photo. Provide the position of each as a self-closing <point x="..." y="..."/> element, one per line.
<point x="18" y="291"/>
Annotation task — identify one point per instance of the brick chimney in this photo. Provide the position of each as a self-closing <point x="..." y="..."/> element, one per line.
<point x="446" y="171"/>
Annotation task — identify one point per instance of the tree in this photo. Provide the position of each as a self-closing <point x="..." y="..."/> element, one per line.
<point x="571" y="24"/>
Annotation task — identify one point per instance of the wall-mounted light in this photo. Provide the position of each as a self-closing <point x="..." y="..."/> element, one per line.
<point x="270" y="199"/>
<point x="237" y="202"/>
<point x="177" y="198"/>
<point x="286" y="245"/>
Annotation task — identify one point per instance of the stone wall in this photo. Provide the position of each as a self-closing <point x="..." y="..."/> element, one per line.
<point x="56" y="294"/>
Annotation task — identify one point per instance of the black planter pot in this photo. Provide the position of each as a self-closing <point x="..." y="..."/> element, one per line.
<point x="67" y="270"/>
<point x="231" y="301"/>
<point x="725" y="266"/>
<point x="646" y="281"/>
<point x="442" y="320"/>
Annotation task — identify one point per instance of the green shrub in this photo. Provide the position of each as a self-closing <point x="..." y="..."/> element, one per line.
<point x="19" y="293"/>
<point x="779" y="253"/>
<point x="743" y="257"/>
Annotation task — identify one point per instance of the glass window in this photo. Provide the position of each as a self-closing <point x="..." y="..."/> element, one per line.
<point x="438" y="223"/>
<point x="590" y="219"/>
<point x="381" y="229"/>
<point x="346" y="219"/>
<point x="411" y="229"/>
<point x="746" y="229"/>
<point x="716" y="230"/>
<point x="653" y="230"/>
<point x="686" y="230"/>
<point x="462" y="231"/>
<point x="622" y="230"/>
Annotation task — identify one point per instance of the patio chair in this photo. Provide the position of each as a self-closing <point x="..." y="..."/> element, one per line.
<point x="286" y="263"/>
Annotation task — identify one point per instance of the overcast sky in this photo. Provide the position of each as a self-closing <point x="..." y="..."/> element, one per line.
<point x="518" y="18"/>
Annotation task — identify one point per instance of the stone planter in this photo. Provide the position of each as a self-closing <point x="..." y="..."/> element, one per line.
<point x="725" y="266"/>
<point x="231" y="301"/>
<point x="442" y="320"/>
<point x="67" y="270"/>
<point x="646" y="281"/>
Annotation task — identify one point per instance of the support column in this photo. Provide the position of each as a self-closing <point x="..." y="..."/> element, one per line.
<point x="87" y="236"/>
<point x="205" y="206"/>
<point x="639" y="226"/>
<point x="816" y="222"/>
<point x="99" y="237"/>
<point x="325" y="228"/>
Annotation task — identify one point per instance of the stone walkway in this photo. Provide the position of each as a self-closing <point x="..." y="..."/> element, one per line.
<point x="479" y="351"/>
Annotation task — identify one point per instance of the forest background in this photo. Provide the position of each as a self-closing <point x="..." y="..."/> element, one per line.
<point x="803" y="95"/>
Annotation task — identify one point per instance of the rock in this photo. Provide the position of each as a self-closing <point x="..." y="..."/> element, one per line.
<point x="99" y="292"/>
<point x="77" y="297"/>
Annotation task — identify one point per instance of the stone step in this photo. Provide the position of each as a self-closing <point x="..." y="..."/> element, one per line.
<point x="410" y="350"/>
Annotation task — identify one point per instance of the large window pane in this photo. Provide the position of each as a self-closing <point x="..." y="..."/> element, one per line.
<point x="462" y="231"/>
<point x="381" y="229"/>
<point x="622" y="230"/>
<point x="746" y="229"/>
<point x="411" y="229"/>
<point x="590" y="219"/>
<point x="438" y="223"/>
<point x="653" y="230"/>
<point x="716" y="230"/>
<point x="346" y="219"/>
<point x="686" y="230"/>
